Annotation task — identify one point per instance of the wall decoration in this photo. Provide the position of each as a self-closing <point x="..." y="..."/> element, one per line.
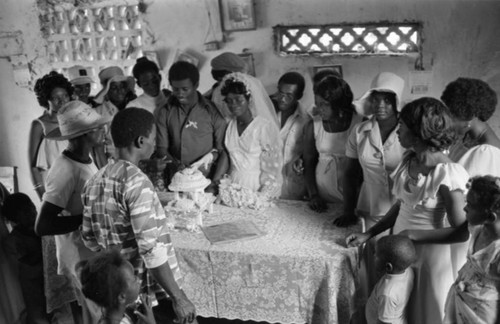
<point x="336" y="68"/>
<point x="237" y="14"/>
<point x="248" y="58"/>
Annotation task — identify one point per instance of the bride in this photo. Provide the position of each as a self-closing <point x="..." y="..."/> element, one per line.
<point x="252" y="136"/>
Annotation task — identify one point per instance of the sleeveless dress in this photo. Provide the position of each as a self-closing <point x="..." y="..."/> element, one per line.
<point x="423" y="208"/>
<point x="474" y="297"/>
<point x="332" y="160"/>
<point x="256" y="155"/>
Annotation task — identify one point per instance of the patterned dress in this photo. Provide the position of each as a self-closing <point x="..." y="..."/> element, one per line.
<point x="474" y="297"/>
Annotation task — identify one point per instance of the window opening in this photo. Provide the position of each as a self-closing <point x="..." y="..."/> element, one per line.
<point x="350" y="39"/>
<point x="95" y="37"/>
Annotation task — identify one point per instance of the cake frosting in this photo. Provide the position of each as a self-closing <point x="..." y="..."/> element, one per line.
<point x="188" y="180"/>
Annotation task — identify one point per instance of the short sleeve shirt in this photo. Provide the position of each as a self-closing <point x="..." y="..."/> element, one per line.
<point x="389" y="298"/>
<point x="122" y="210"/>
<point x="188" y="137"/>
<point x="64" y="185"/>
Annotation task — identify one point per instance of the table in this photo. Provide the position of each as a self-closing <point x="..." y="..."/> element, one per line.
<point x="299" y="272"/>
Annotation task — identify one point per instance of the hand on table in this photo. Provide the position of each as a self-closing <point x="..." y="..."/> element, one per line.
<point x="356" y="239"/>
<point x="145" y="311"/>
<point x="317" y="204"/>
<point x="346" y="220"/>
<point x="184" y="310"/>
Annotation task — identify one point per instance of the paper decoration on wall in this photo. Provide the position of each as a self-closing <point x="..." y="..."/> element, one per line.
<point x="420" y="82"/>
<point x="22" y="75"/>
<point x="11" y="43"/>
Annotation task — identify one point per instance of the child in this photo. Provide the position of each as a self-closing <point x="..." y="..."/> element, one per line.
<point x="108" y="280"/>
<point x="21" y="212"/>
<point x="474" y="297"/>
<point x="387" y="302"/>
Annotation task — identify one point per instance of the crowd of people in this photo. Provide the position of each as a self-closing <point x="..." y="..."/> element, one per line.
<point x="421" y="177"/>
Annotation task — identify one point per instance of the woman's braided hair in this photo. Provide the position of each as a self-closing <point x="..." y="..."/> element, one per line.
<point x="430" y="121"/>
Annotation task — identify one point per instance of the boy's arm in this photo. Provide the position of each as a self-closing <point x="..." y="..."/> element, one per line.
<point x="183" y="307"/>
<point x="147" y="219"/>
<point x="49" y="223"/>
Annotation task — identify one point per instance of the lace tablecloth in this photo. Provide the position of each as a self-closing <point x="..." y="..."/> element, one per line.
<point x="299" y="272"/>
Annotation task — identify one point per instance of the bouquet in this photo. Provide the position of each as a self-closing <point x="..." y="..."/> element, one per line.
<point x="234" y="195"/>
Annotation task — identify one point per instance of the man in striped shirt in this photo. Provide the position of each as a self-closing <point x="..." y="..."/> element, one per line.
<point x="122" y="211"/>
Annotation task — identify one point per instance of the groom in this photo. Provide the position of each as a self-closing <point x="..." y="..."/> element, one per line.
<point x="190" y="130"/>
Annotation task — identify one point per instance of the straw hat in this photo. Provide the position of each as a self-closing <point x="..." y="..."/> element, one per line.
<point x="76" y="118"/>
<point x="109" y="75"/>
<point x="383" y="82"/>
<point x="79" y="75"/>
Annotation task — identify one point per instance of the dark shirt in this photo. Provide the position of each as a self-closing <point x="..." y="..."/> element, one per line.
<point x="28" y="246"/>
<point x="189" y="137"/>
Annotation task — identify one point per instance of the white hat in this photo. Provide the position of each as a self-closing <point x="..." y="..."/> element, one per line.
<point x="383" y="82"/>
<point x="109" y="75"/>
<point x="76" y="118"/>
<point x="78" y="75"/>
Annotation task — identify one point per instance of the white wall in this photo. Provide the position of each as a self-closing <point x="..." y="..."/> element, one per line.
<point x="461" y="39"/>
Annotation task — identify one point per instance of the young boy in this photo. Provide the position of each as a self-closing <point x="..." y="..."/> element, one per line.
<point x="148" y="78"/>
<point x="122" y="209"/>
<point x="21" y="212"/>
<point x="387" y="302"/>
<point x="61" y="210"/>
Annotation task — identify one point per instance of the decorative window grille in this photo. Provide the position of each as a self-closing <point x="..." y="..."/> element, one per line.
<point x="94" y="37"/>
<point x="349" y="39"/>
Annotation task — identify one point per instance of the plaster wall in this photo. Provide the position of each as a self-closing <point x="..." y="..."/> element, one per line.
<point x="460" y="40"/>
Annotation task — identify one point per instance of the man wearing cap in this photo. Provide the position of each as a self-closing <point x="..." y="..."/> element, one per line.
<point x="292" y="121"/>
<point x="190" y="130"/>
<point x="80" y="78"/>
<point x="117" y="91"/>
<point x="223" y="64"/>
<point x="61" y="210"/>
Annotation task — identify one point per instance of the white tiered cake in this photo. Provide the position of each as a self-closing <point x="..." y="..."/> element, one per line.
<point x="190" y="201"/>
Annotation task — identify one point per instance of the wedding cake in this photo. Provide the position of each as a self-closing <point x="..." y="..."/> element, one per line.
<point x="190" y="201"/>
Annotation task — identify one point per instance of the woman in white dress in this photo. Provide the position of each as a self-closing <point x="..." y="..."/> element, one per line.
<point x="472" y="102"/>
<point x="252" y="135"/>
<point x="428" y="186"/>
<point x="324" y="141"/>
<point x="373" y="152"/>
<point x="52" y="91"/>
